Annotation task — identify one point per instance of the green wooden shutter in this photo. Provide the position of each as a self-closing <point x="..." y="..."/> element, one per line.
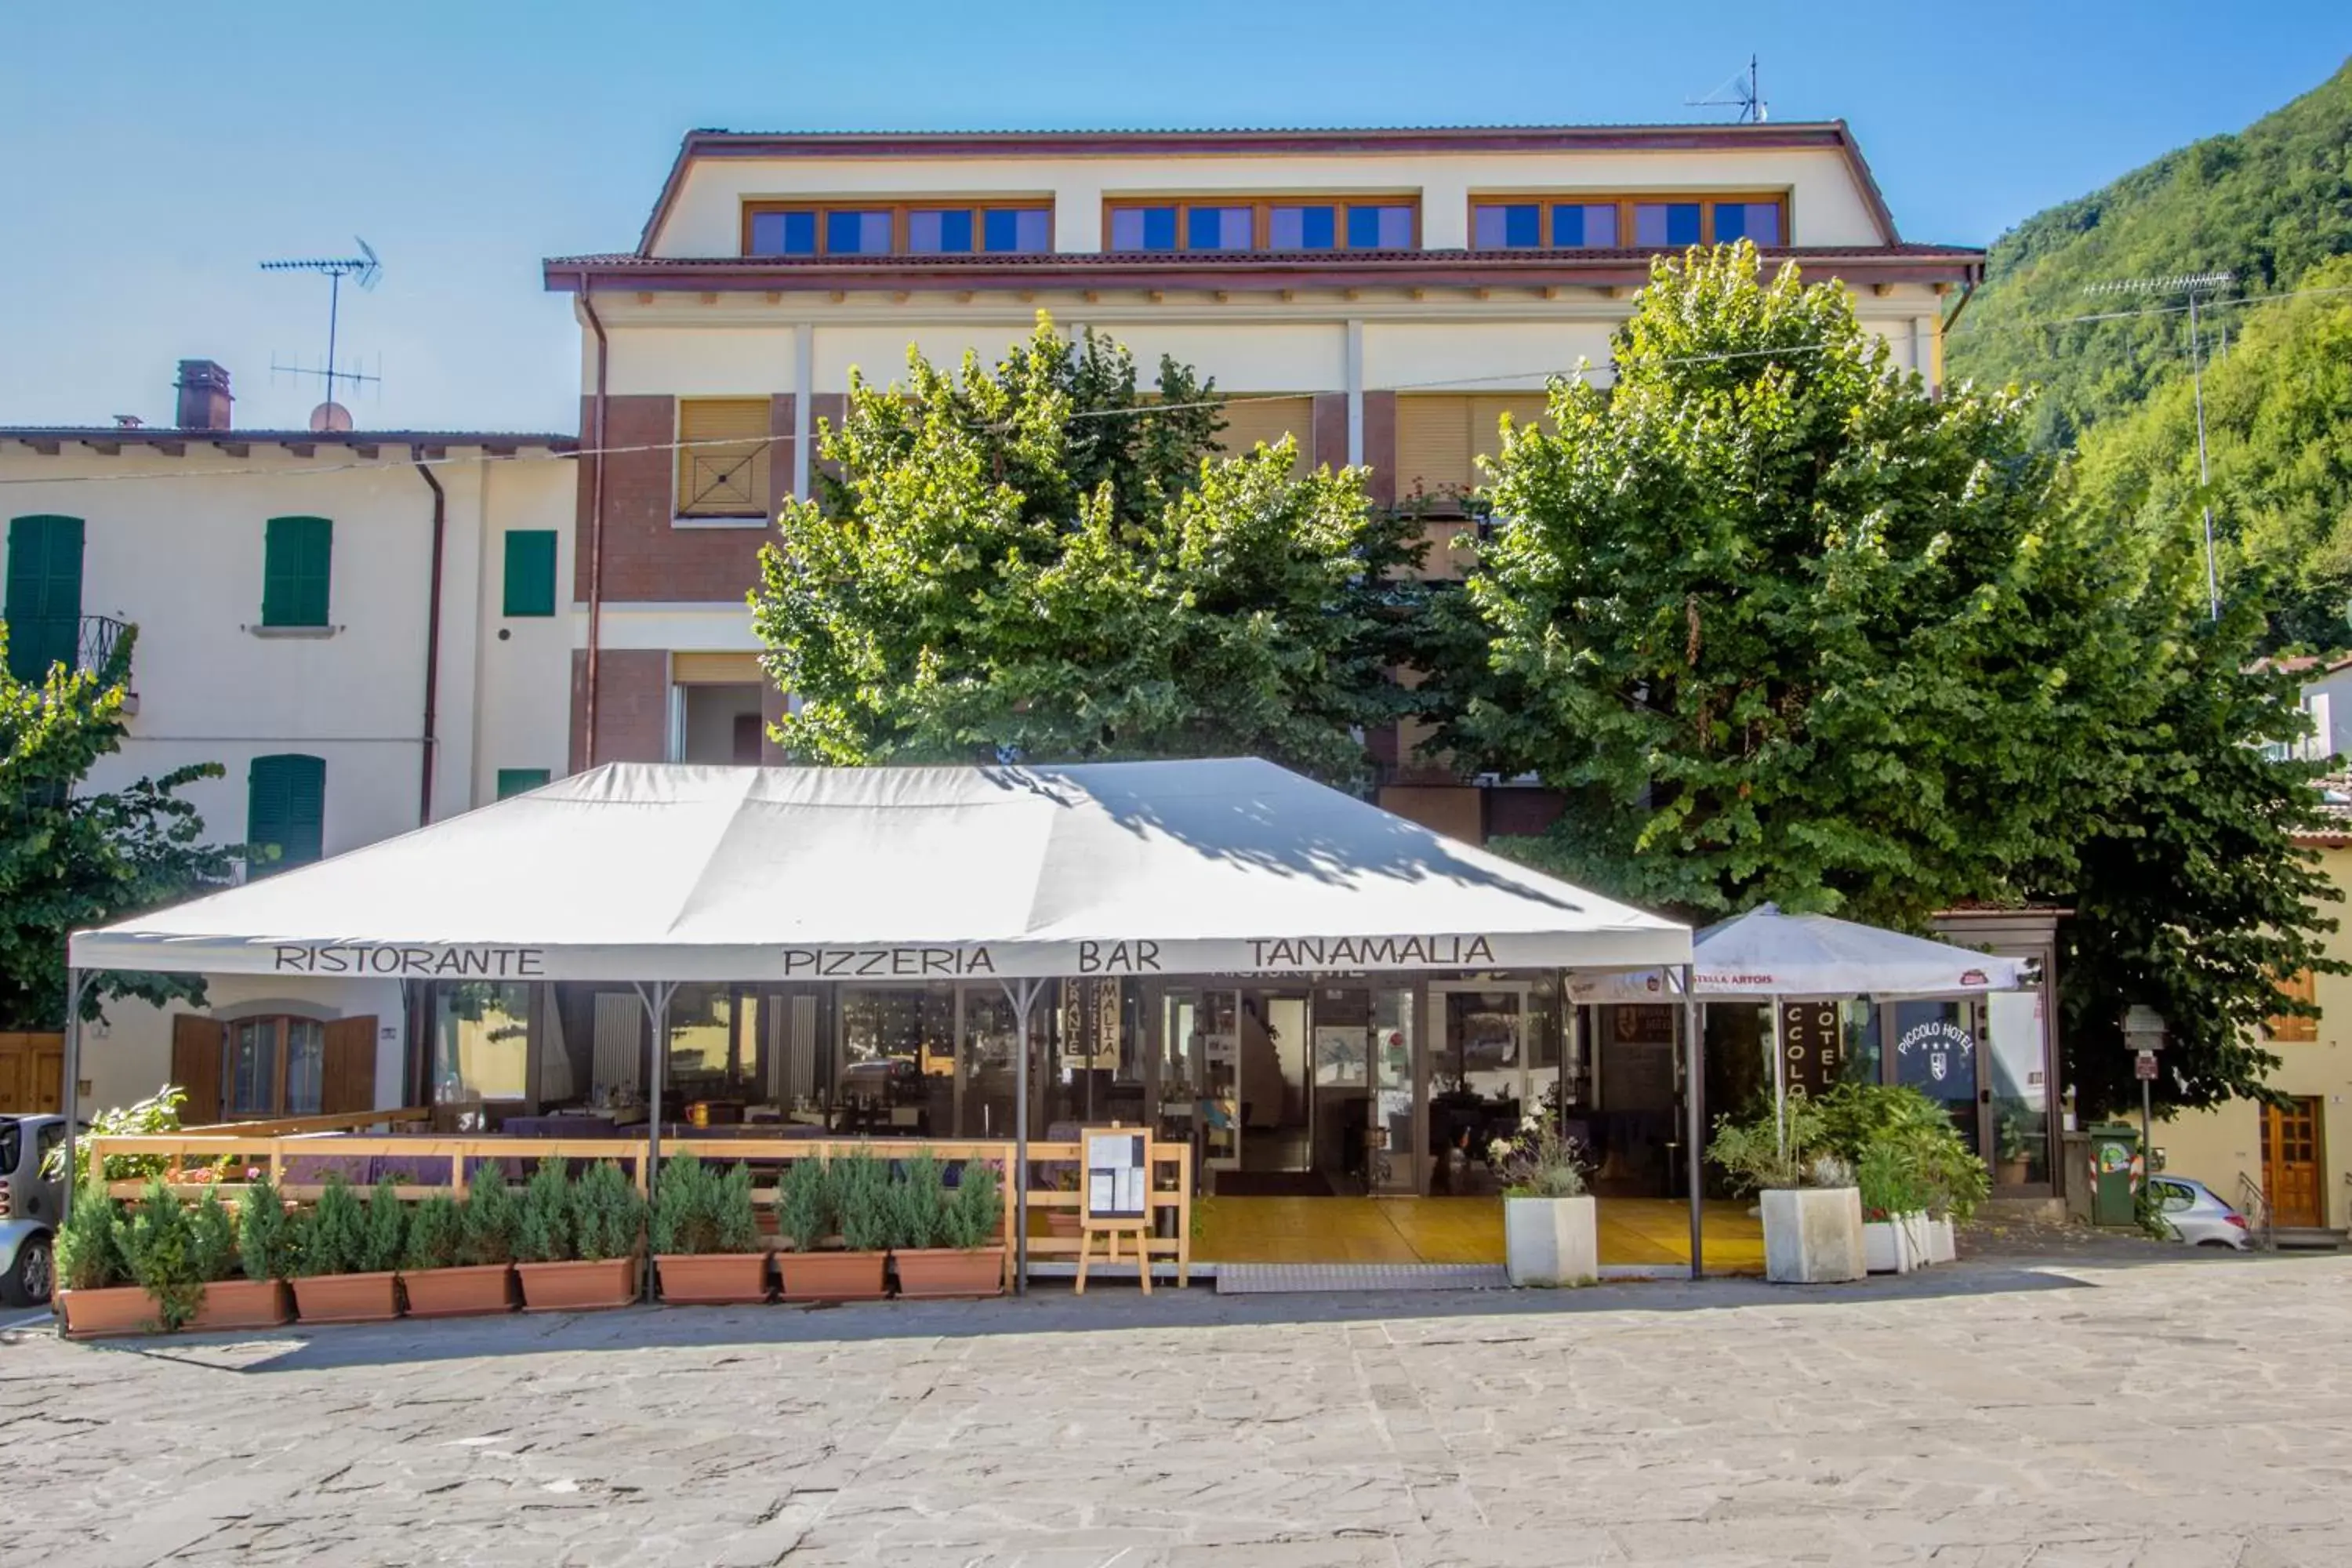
<point x="297" y="555"/>
<point x="43" y="606"/>
<point x="285" y="804"/>
<point x="530" y="572"/>
<point x="519" y="781"/>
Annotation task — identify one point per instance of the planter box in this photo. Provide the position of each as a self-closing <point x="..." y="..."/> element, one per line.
<point x="116" y="1309"/>
<point x="1063" y="1222"/>
<point x="578" y="1287"/>
<point x="831" y="1275"/>
<point x="1887" y="1246"/>
<point x="712" y="1278"/>
<point x="933" y="1271"/>
<point x="1551" y="1241"/>
<point x="472" y="1291"/>
<point x="1812" y="1235"/>
<point x="242" y="1304"/>
<point x="347" y="1298"/>
<point x="1941" y="1247"/>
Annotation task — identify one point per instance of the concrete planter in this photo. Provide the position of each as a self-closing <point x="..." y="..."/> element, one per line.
<point x="578" y="1287"/>
<point x="1812" y="1235"/>
<point x="1894" y="1245"/>
<point x="932" y="1271"/>
<point x="832" y="1276"/>
<point x="712" y="1278"/>
<point x="1941" y="1247"/>
<point x="475" y="1290"/>
<point x="347" y="1298"/>
<point x="1551" y="1241"/>
<point x="242" y="1304"/>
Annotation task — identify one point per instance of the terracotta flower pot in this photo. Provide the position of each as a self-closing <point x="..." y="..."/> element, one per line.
<point x="347" y="1298"/>
<point x="242" y="1304"/>
<point x="116" y="1309"/>
<point x="578" y="1287"/>
<point x="1063" y="1222"/>
<point x="470" y="1291"/>
<point x="712" y="1278"/>
<point x="831" y="1275"/>
<point x="951" y="1271"/>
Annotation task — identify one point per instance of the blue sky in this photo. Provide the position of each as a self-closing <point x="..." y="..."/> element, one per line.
<point x="151" y="154"/>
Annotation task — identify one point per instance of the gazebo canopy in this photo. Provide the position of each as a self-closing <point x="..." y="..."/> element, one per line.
<point x="644" y="872"/>
<point x="1765" y="953"/>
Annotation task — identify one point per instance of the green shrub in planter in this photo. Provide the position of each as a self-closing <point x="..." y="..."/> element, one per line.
<point x="861" y="1192"/>
<point x="491" y="1216"/>
<point x="157" y="1245"/>
<point x="918" y="1204"/>
<point x="734" y="1218"/>
<point x="383" y="1238"/>
<point x="543" y="1230"/>
<point x="974" y="1215"/>
<point x="804" y="1211"/>
<point x="698" y="1209"/>
<point x="608" y="1214"/>
<point x="88" y="1248"/>
<point x="333" y="1233"/>
<point x="436" y="1233"/>
<point x="1889" y="1184"/>
<point x="266" y="1241"/>
<point x="212" y="1238"/>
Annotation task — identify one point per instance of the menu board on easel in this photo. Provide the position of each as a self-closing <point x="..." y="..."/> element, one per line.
<point x="1116" y="1190"/>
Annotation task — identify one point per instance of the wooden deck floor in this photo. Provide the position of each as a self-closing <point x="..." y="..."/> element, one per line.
<point x="1456" y="1230"/>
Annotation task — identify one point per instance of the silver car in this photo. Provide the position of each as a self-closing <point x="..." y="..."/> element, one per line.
<point x="30" y="1206"/>
<point x="2198" y="1215"/>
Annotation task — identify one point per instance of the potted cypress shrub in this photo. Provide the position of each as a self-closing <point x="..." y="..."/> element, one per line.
<point x="1812" y="1212"/>
<point x="817" y="1198"/>
<point x="437" y="1266"/>
<point x="1551" y="1227"/>
<point x="706" y="1234"/>
<point x="95" y="1293"/>
<point x="255" y="1301"/>
<point x="961" y="1251"/>
<point x="265" y="1247"/>
<point x="342" y="1273"/>
<point x="577" y="1244"/>
<point x="159" y="1247"/>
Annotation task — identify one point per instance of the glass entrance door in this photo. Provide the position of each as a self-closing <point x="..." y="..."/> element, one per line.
<point x="1935" y="1052"/>
<point x="1276" y="1095"/>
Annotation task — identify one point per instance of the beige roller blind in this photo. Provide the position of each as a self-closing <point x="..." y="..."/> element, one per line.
<point x="1253" y="418"/>
<point x="1433" y="445"/>
<point x="722" y="456"/>
<point x="1487" y="411"/>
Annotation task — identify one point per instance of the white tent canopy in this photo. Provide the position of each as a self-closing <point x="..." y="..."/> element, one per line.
<point x="643" y="872"/>
<point x="1765" y="953"/>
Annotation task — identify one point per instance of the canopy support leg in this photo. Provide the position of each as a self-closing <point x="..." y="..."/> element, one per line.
<point x="656" y="1001"/>
<point x="78" y="984"/>
<point x="1694" y="1117"/>
<point x="1022" y="994"/>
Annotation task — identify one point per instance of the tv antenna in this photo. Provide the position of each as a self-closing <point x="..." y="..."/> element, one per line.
<point x="2191" y="284"/>
<point x="1743" y="90"/>
<point x="364" y="270"/>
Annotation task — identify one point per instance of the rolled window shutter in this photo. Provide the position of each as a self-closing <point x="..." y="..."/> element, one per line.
<point x="1487" y="420"/>
<point x="722" y="456"/>
<point x="196" y="1046"/>
<point x="349" y="1082"/>
<point x="1250" y="420"/>
<point x="1433" y="446"/>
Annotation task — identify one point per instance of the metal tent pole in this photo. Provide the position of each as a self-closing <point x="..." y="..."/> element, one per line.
<point x="1694" y="1118"/>
<point x="69" y="1101"/>
<point x="657" y="1004"/>
<point x="1022" y="996"/>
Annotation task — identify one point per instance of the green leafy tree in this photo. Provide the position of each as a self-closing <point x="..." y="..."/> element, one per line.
<point x="1784" y="626"/>
<point x="1034" y="561"/>
<point x="69" y="859"/>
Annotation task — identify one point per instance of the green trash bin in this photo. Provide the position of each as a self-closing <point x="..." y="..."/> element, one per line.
<point x="2115" y="1173"/>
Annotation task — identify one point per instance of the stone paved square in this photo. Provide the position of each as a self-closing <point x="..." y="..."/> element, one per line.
<point x="1998" y="1414"/>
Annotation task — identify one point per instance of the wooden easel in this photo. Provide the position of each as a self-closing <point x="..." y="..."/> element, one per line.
<point x="1132" y="1156"/>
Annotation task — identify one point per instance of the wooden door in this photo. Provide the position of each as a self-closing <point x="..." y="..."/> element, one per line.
<point x="196" y="1044"/>
<point x="348" y="1082"/>
<point x="32" y="1074"/>
<point x="2290" y="1163"/>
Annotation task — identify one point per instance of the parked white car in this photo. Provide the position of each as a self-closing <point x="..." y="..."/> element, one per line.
<point x="2198" y="1215"/>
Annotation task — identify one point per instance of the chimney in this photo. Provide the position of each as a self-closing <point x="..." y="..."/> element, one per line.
<point x="203" y="395"/>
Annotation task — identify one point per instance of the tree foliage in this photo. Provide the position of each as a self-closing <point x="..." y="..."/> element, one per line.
<point x="69" y="860"/>
<point x="1036" y="561"/>
<point x="1784" y="626"/>
<point x="2271" y="204"/>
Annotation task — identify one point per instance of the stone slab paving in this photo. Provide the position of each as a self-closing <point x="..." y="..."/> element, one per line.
<point x="1989" y="1415"/>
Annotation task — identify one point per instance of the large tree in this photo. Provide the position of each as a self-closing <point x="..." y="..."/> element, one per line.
<point x="1038" y="561"/>
<point x="69" y="859"/>
<point x="1784" y="626"/>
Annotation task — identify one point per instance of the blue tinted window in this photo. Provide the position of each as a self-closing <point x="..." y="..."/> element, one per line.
<point x="1590" y="226"/>
<point x="1302" y="228"/>
<point x="1217" y="228"/>
<point x="1515" y="227"/>
<point x="784" y="234"/>
<point x="939" y="231"/>
<point x="857" y="233"/>
<point x="1143" y="229"/>
<point x="1757" y="221"/>
<point x="1016" y="229"/>
<point x="1660" y="224"/>
<point x="1379" y="228"/>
